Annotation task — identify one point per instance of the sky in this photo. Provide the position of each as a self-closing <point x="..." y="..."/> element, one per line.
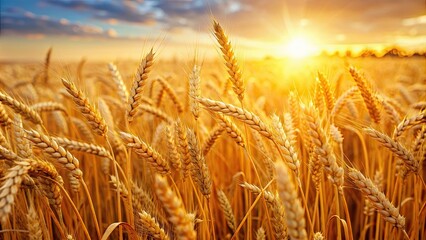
<point x="124" y="29"/>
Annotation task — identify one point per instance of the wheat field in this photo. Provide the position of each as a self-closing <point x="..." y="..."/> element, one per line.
<point x="332" y="148"/>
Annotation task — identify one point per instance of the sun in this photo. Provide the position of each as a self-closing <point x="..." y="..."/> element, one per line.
<point x="299" y="47"/>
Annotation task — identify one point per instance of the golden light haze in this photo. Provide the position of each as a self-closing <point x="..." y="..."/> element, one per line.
<point x="108" y="30"/>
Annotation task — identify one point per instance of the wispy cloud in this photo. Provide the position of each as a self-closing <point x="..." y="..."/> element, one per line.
<point x="20" y="22"/>
<point x="362" y="21"/>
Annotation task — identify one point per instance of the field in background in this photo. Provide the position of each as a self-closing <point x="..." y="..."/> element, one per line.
<point x="164" y="158"/>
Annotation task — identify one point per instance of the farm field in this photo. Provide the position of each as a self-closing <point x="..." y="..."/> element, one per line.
<point x="193" y="120"/>
<point x="334" y="149"/>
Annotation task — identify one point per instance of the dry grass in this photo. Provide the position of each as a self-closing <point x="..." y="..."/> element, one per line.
<point x="285" y="154"/>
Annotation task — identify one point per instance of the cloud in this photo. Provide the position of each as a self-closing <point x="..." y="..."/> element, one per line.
<point x="270" y="21"/>
<point x="126" y="11"/>
<point x="19" y="22"/>
<point x="168" y="13"/>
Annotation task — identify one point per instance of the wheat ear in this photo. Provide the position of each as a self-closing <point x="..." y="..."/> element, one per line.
<point x="215" y="133"/>
<point x="340" y="102"/>
<point x="183" y="148"/>
<point x="180" y="219"/>
<point x="318" y="236"/>
<point x="200" y="171"/>
<point x="380" y="201"/>
<point x="33" y="224"/>
<point x="194" y="91"/>
<point x="23" y="146"/>
<point x="4" y="117"/>
<point x="278" y="214"/>
<point x="245" y="116"/>
<point x="138" y="84"/>
<point x="155" y="112"/>
<point x="227" y="210"/>
<point x="48" y="179"/>
<point x="230" y="61"/>
<point x="10" y="186"/>
<point x="408" y="123"/>
<point x="295" y="213"/>
<point x="370" y="99"/>
<point x="82" y="147"/>
<point x="172" y="94"/>
<point x="231" y="129"/>
<point x="62" y="156"/>
<point x="147" y="152"/>
<point x="24" y="110"/>
<point x="396" y="148"/>
<point x="260" y="234"/>
<point x="326" y="91"/>
<point x="48" y="107"/>
<point x="290" y="155"/>
<point x="391" y="111"/>
<point x="46" y="66"/>
<point x="151" y="226"/>
<point x="172" y="149"/>
<point x="322" y="147"/>
<point x="91" y="114"/>
<point x="118" y="80"/>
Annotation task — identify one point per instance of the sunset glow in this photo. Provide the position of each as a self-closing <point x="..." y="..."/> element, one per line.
<point x="299" y="47"/>
<point x="106" y="29"/>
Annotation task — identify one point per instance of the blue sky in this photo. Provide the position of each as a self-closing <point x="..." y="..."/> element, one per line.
<point x="258" y="27"/>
